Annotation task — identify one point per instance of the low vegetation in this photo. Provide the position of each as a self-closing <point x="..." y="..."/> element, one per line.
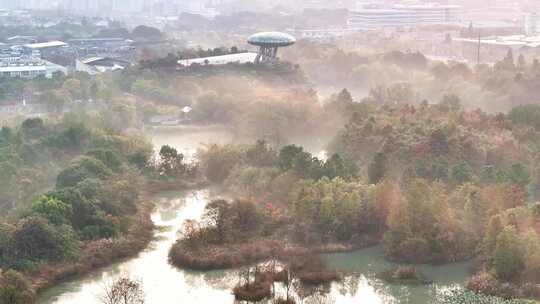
<point x="96" y="211"/>
<point x="298" y="273"/>
<point x="463" y="296"/>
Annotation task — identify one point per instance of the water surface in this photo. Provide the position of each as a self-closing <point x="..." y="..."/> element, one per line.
<point x="164" y="284"/>
<point x="367" y="263"/>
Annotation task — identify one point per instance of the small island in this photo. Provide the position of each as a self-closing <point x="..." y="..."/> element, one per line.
<point x="404" y="275"/>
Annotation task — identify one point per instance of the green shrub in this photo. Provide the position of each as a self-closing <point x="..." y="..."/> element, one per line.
<point x="81" y="169"/>
<point x="15" y="289"/>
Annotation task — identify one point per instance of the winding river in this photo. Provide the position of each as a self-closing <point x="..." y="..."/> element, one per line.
<point x="164" y="284"/>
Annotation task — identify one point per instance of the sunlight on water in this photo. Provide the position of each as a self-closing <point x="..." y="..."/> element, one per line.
<point x="188" y="139"/>
<point x="162" y="282"/>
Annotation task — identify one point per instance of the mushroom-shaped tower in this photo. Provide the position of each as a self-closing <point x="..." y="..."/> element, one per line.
<point x="268" y="43"/>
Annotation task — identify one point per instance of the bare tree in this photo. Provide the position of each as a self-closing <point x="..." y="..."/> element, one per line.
<point x="123" y="290"/>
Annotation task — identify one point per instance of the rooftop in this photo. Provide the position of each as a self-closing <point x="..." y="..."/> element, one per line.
<point x="29" y="66"/>
<point x="271" y="39"/>
<point x="25" y="68"/>
<point x="102" y="39"/>
<point x="21" y="37"/>
<point x="105" y="61"/>
<point x="45" y="45"/>
<point x="220" y="60"/>
<point x="427" y="6"/>
<point x="92" y="59"/>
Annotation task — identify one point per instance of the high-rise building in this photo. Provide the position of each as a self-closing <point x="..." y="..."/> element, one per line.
<point x="532" y="24"/>
<point x="373" y="17"/>
<point x="129" y="6"/>
<point x="10" y="4"/>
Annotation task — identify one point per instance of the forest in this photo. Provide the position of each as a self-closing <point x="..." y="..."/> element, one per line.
<point x="439" y="185"/>
<point x="410" y="77"/>
<point x="435" y="162"/>
<point x="433" y="182"/>
<point x="75" y="195"/>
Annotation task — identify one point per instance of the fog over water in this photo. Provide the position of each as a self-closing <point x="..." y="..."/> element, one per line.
<point x="165" y="284"/>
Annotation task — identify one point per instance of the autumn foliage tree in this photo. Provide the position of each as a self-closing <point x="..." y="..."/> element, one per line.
<point x="421" y="227"/>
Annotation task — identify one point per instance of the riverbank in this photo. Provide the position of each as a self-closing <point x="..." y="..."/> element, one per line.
<point x="227" y="256"/>
<point x="486" y="283"/>
<point x="165" y="284"/>
<point x="98" y="253"/>
<point x="156" y="186"/>
<point x="101" y="253"/>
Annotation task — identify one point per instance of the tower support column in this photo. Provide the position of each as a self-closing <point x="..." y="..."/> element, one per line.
<point x="267" y="54"/>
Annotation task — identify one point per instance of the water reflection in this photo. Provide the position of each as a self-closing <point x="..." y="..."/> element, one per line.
<point x="368" y="262"/>
<point x="164" y="284"/>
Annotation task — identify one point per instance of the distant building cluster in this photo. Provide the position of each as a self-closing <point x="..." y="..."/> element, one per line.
<point x="73" y="5"/>
<point x="28" y="67"/>
<point x="494" y="48"/>
<point x="532" y="24"/>
<point x="109" y="7"/>
<point x="24" y="61"/>
<point x="372" y="16"/>
<point x="24" y="57"/>
<point x="324" y="35"/>
<point x="388" y="16"/>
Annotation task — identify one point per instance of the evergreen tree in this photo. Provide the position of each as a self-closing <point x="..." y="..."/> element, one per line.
<point x="522" y="64"/>
<point x="507" y="257"/>
<point x="377" y="168"/>
<point x="507" y="63"/>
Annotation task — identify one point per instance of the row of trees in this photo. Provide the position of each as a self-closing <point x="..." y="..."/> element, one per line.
<point x="440" y="143"/>
<point x="55" y="92"/>
<point x="171" y="60"/>
<point x="237" y="164"/>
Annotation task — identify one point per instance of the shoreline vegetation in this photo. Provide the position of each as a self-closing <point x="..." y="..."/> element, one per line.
<point x="414" y="166"/>
<point x="228" y="256"/>
<point x="481" y="212"/>
<point x="98" y="254"/>
<point x="97" y="213"/>
<point x="105" y="252"/>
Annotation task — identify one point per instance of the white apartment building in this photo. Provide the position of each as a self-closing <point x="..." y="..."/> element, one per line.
<point x="28" y="67"/>
<point x="532" y="24"/>
<point x="369" y="17"/>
